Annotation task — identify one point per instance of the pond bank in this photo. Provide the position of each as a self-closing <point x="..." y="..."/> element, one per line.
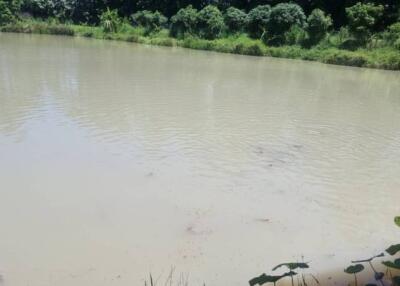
<point x="379" y="58"/>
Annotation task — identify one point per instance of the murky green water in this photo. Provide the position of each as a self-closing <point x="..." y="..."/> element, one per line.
<point x="117" y="160"/>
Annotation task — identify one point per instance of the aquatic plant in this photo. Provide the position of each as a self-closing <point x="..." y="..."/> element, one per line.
<point x="393" y="265"/>
<point x="354" y="269"/>
<point x="378" y="275"/>
<point x="393" y="249"/>
<point x="397" y="221"/>
<point x="263" y="278"/>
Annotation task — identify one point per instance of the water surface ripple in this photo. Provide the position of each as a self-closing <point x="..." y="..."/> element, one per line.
<point x="117" y="160"/>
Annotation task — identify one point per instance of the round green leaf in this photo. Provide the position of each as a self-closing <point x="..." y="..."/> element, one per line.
<point x="394" y="265"/>
<point x="353" y="269"/>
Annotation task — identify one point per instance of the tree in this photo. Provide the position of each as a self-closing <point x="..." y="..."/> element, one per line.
<point x="184" y="22"/>
<point x="284" y="16"/>
<point x="257" y="20"/>
<point x="110" y="21"/>
<point x="9" y="10"/>
<point x="151" y="21"/>
<point x="318" y="25"/>
<point x="88" y="11"/>
<point x="5" y="13"/>
<point x="362" y="18"/>
<point x="235" y="19"/>
<point x="210" y="22"/>
<point x="61" y="9"/>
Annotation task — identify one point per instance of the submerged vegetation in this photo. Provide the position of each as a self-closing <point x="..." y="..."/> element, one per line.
<point x="349" y="33"/>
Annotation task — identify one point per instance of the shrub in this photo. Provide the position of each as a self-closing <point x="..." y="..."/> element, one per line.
<point x="318" y="25"/>
<point x="396" y="44"/>
<point x="210" y="22"/>
<point x="184" y="22"/>
<point x="295" y="36"/>
<point x="6" y="15"/>
<point x="392" y="34"/>
<point x="59" y="29"/>
<point x="60" y="9"/>
<point x="282" y="18"/>
<point x="345" y="58"/>
<point x="235" y="19"/>
<point x="151" y="21"/>
<point x="110" y="21"/>
<point x="257" y="20"/>
<point x="9" y="10"/>
<point x="362" y="18"/>
<point x="88" y="11"/>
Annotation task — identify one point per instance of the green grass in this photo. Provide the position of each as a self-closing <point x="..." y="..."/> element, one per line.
<point x="381" y="58"/>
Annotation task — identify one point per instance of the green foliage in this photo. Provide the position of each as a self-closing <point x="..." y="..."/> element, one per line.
<point x="184" y="22"/>
<point x="9" y="10"/>
<point x="292" y="265"/>
<point x="362" y="19"/>
<point x="235" y="19"/>
<point x="39" y="27"/>
<point x="263" y="278"/>
<point x="295" y="36"/>
<point x="392" y="250"/>
<point x="6" y="15"/>
<point x="210" y="22"/>
<point x="353" y="269"/>
<point x="283" y="17"/>
<point x="60" y="9"/>
<point x="318" y="25"/>
<point x="110" y="21"/>
<point x="88" y="11"/>
<point x="392" y="38"/>
<point x="397" y="218"/>
<point x="339" y="57"/>
<point x="257" y="20"/>
<point x="151" y="21"/>
<point x="393" y="265"/>
<point x="396" y="44"/>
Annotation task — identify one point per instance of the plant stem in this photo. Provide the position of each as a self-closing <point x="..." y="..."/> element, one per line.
<point x="373" y="269"/>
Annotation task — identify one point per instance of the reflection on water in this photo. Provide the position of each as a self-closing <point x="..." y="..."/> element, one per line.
<point x="119" y="159"/>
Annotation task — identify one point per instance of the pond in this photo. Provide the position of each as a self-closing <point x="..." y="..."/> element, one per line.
<point x="118" y="160"/>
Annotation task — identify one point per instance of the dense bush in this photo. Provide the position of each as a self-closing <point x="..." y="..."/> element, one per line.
<point x="9" y="10"/>
<point x="257" y="20"/>
<point x="5" y="14"/>
<point x="235" y="19"/>
<point x="88" y="11"/>
<point x="295" y="36"/>
<point x="210" y="22"/>
<point x="110" y="21"/>
<point x="151" y="21"/>
<point x="362" y="19"/>
<point x="318" y="25"/>
<point x="392" y="34"/>
<point x="283" y="17"/>
<point x="285" y="20"/>
<point x="184" y="22"/>
<point x="60" y="9"/>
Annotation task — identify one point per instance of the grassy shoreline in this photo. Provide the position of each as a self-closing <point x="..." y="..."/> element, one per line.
<point x="379" y="58"/>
